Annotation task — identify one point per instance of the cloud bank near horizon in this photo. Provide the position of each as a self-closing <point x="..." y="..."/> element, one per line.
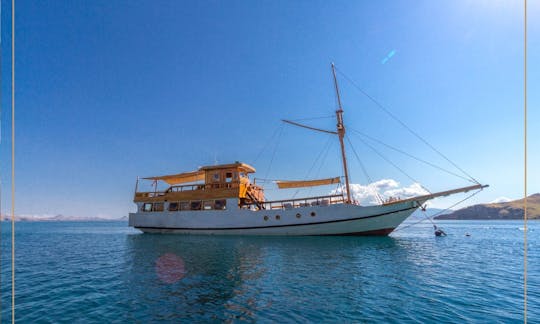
<point x="58" y="217"/>
<point x="384" y="188"/>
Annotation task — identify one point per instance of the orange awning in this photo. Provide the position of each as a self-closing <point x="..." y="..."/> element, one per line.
<point x="185" y="177"/>
<point x="283" y="184"/>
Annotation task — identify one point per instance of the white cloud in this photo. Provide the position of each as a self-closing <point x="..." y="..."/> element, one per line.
<point x="415" y="189"/>
<point x="384" y="189"/>
<point x="500" y="200"/>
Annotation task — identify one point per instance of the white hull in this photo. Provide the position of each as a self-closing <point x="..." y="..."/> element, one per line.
<point x="338" y="219"/>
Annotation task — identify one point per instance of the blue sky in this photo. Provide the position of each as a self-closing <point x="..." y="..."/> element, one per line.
<point x="110" y="90"/>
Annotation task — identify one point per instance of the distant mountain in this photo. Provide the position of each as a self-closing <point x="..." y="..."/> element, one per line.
<point x="58" y="218"/>
<point x="501" y="211"/>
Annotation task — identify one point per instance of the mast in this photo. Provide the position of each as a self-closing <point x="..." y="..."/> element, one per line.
<point x="341" y="134"/>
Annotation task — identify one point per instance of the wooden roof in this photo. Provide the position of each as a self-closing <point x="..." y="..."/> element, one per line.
<point x="199" y="175"/>
<point x="237" y="165"/>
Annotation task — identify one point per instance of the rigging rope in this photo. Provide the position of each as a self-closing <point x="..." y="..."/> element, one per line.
<point x="394" y="165"/>
<point x="438" y="213"/>
<point x="404" y="125"/>
<point x="325" y="148"/>
<point x="267" y="143"/>
<point x="412" y="156"/>
<point x="379" y="198"/>
<point x="274" y="152"/>
<point x="325" y="155"/>
<point x="359" y="161"/>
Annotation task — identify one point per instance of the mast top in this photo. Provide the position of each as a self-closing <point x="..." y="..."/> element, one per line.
<point x="340" y="109"/>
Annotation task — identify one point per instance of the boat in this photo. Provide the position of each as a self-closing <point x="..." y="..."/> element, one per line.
<point x="224" y="200"/>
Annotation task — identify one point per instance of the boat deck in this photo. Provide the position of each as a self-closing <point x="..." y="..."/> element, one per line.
<point x="301" y="202"/>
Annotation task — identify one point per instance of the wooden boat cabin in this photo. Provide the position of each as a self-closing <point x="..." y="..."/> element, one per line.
<point x="209" y="188"/>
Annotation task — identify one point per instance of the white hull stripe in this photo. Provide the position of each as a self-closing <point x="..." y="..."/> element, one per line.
<point x="271" y="226"/>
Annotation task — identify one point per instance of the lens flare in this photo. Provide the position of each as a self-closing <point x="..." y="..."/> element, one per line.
<point x="389" y="56"/>
<point x="170" y="268"/>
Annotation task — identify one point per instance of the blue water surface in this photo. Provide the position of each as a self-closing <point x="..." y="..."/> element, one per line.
<point x="107" y="272"/>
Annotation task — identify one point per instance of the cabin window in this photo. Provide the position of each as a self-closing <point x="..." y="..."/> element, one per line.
<point x="196" y="205"/>
<point x="147" y="207"/>
<point x="208" y="205"/>
<point x="158" y="207"/>
<point x="228" y="177"/>
<point x="278" y="217"/>
<point x="220" y="204"/>
<point x="184" y="205"/>
<point x="215" y="177"/>
<point x="173" y="206"/>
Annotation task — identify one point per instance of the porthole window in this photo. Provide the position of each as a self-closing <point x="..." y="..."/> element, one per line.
<point x="278" y="217"/>
<point x="312" y="214"/>
<point x="298" y="215"/>
<point x="265" y="218"/>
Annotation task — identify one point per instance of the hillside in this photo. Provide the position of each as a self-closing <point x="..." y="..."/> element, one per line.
<point x="498" y="211"/>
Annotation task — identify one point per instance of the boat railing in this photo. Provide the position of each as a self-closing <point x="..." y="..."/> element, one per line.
<point x="303" y="202"/>
<point x="191" y="187"/>
<point x="217" y="185"/>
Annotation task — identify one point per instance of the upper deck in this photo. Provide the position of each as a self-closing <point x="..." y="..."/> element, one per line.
<point x="208" y="182"/>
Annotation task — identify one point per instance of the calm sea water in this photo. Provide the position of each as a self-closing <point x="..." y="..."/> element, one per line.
<point x="107" y="272"/>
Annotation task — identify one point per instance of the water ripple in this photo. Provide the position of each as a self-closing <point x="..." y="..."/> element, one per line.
<point x="106" y="272"/>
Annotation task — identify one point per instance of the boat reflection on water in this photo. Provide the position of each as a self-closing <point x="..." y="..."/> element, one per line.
<point x="229" y="278"/>
<point x="183" y="277"/>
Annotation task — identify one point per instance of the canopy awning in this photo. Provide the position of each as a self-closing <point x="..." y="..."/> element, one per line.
<point x="283" y="184"/>
<point x="242" y="167"/>
<point x="185" y="177"/>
